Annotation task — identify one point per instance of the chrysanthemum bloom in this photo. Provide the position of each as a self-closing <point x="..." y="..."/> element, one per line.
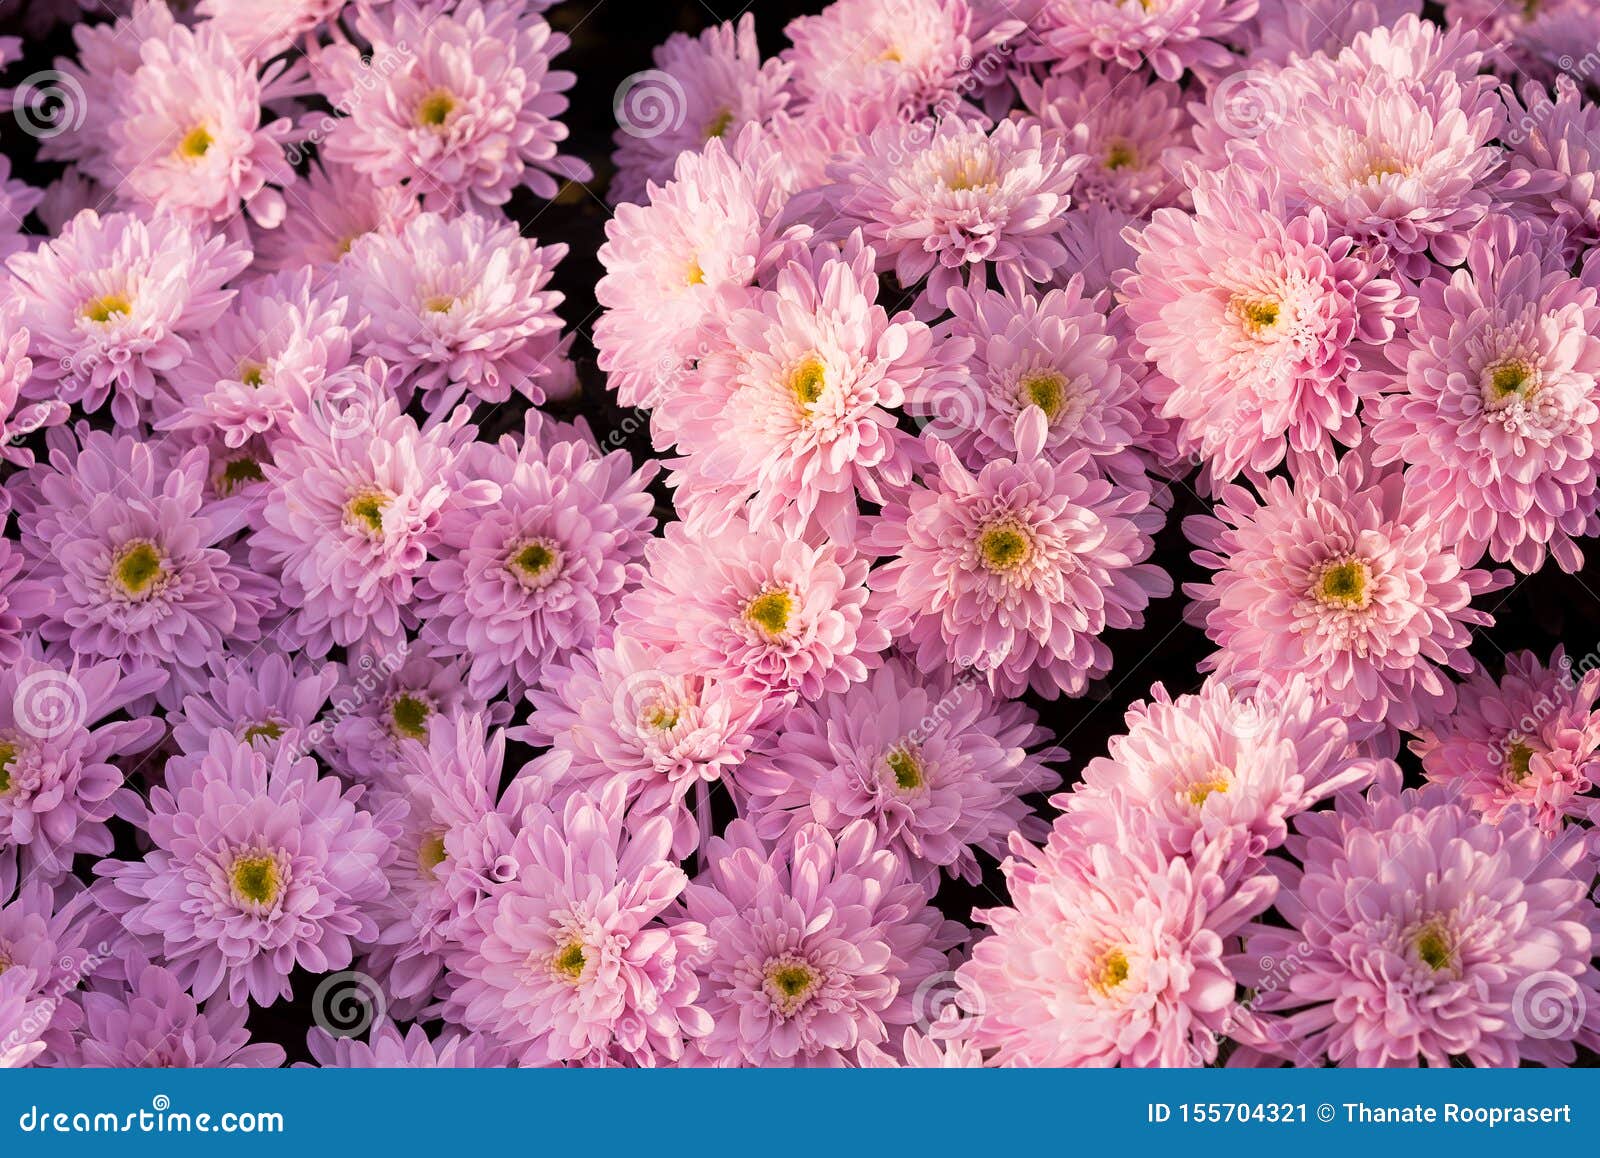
<point x="454" y="842"/>
<point x="1256" y="320"/>
<point x="188" y="138"/>
<point x="1524" y="41"/>
<point x="935" y="762"/>
<point x="706" y="86"/>
<point x="1048" y="354"/>
<point x="950" y="204"/>
<point x="1532" y="739"/>
<point x="1346" y="578"/>
<point x="1016" y="571"/>
<point x="1287" y="28"/>
<point x="671" y="263"/>
<point x="773" y="614"/>
<point x="903" y="58"/>
<point x="143" y="1019"/>
<point x="1097" y="248"/>
<point x="358" y="494"/>
<point x="283" y="344"/>
<point x="571" y="961"/>
<point x="1130" y="126"/>
<point x="387" y="701"/>
<point x="458" y="303"/>
<point x="17" y="200"/>
<point x="645" y="717"/>
<point x="331" y="208"/>
<point x="1169" y="37"/>
<point x="819" y="946"/>
<point x="1221" y="767"/>
<point x="261" y="29"/>
<point x="19" y="419"/>
<point x="258" y="866"/>
<point x="1421" y="934"/>
<point x="1495" y="409"/>
<point x="790" y="416"/>
<point x="386" y="1048"/>
<point x="22" y="598"/>
<point x="465" y="106"/>
<point x="42" y="932"/>
<point x="22" y="1019"/>
<point x="1110" y="954"/>
<point x="121" y="533"/>
<point x="57" y="779"/>
<point x="258" y="694"/>
<point x="540" y="573"/>
<point x="1553" y="145"/>
<point x="945" y="1046"/>
<point x="114" y="301"/>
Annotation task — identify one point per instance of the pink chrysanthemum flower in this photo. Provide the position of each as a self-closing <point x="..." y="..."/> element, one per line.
<point x="773" y="614"/>
<point x="571" y="961"/>
<point x="188" y="138"/>
<point x="357" y="499"/>
<point x="1343" y="577"/>
<point x="1555" y="147"/>
<point x="461" y="304"/>
<point x="284" y="344"/>
<point x="1284" y="29"/>
<point x="57" y="779"/>
<point x="1046" y="354"/>
<point x="671" y="263"/>
<point x="1169" y="37"/>
<point x="1495" y="409"/>
<point x="950" y="205"/>
<point x="703" y="87"/>
<point x="1421" y="934"/>
<point x="1017" y="571"/>
<point x="454" y="844"/>
<point x="138" y="564"/>
<point x="387" y="702"/>
<point x="1257" y="321"/>
<point x="819" y="946"/>
<point x="22" y="598"/>
<point x="259" y="696"/>
<point x="114" y="301"/>
<point x="261" y="29"/>
<point x="790" y="416"/>
<point x="901" y="58"/>
<point x="1128" y="125"/>
<point x="42" y="934"/>
<point x="258" y="866"/>
<point x="331" y="208"/>
<point x="144" y="1019"/>
<point x="644" y="717"/>
<point x="924" y="1051"/>
<point x="23" y="1017"/>
<point x="936" y="763"/>
<point x="1531" y="740"/>
<point x="540" y="574"/>
<point x="1220" y="767"/>
<point x="19" y="419"/>
<point x="1110" y="954"/>
<point x="386" y="1048"/>
<point x="466" y="107"/>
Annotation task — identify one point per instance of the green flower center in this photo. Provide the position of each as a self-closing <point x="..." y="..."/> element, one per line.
<point x="138" y="569"/>
<point x="1519" y="763"/>
<point x="267" y="729"/>
<point x="1345" y="584"/>
<point x="103" y="309"/>
<point x="364" y="512"/>
<point x="409" y="716"/>
<point x="435" y="109"/>
<point x="1509" y="381"/>
<point x="195" y="144"/>
<point x="1120" y="155"/>
<point x="570" y="960"/>
<point x="719" y="124"/>
<point x="1433" y="946"/>
<point x="906" y="769"/>
<point x="790" y="983"/>
<point x="252" y="373"/>
<point x="8" y="753"/>
<point x="770" y="612"/>
<point x="534" y="562"/>
<point x="255" y="879"/>
<point x="431" y="854"/>
<point x="1045" y="389"/>
<point x="1004" y="548"/>
<point x="239" y="472"/>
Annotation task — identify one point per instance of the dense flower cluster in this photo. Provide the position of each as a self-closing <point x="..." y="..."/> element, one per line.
<point x="353" y="663"/>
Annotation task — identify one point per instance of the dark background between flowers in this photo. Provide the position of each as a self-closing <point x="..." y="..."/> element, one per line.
<point x="613" y="39"/>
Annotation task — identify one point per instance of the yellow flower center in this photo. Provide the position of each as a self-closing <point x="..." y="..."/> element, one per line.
<point x="770" y="612"/>
<point x="570" y="960"/>
<point x="1045" y="389"/>
<point x="1120" y="155"/>
<point x="966" y="172"/>
<point x="1201" y="789"/>
<point x="1110" y="971"/>
<point x="103" y="309"/>
<point x="719" y="124"/>
<point x="1004" y="547"/>
<point x="1345" y="584"/>
<point x="195" y="144"/>
<point x="1508" y="381"/>
<point x="255" y="879"/>
<point x="439" y="304"/>
<point x="533" y="560"/>
<point x="1519" y="763"/>
<point x="1257" y="314"/>
<point x="789" y="983"/>
<point x="8" y="753"/>
<point x="435" y="109"/>
<point x="252" y="373"/>
<point x="808" y="380"/>
<point x="662" y="718"/>
<point x="431" y="854"/>
<point x="1433" y="946"/>
<point x="138" y="569"/>
<point x="364" y="512"/>
<point x="408" y="716"/>
<point x="694" y="275"/>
